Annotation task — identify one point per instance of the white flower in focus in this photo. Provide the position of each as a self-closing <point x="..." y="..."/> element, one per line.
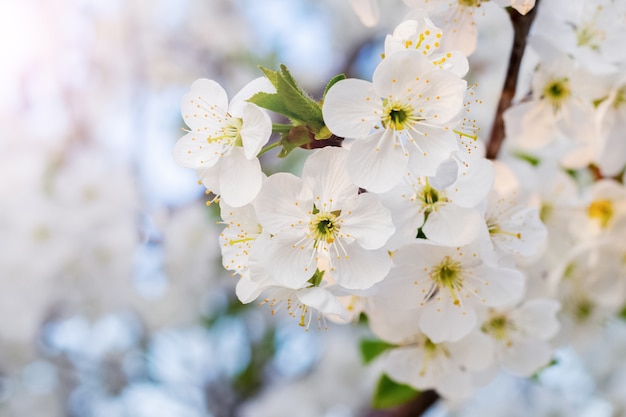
<point x="404" y="114"/>
<point x="418" y="32"/>
<point x="521" y="335"/>
<point x="224" y="139"/>
<point x="446" y="367"/>
<point x="449" y="285"/>
<point x="443" y="206"/>
<point x="322" y="219"/>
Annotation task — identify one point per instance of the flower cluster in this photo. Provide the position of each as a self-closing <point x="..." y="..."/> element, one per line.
<point x="398" y="217"/>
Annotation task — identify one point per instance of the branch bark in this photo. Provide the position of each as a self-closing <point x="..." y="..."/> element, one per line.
<point x="521" y="27"/>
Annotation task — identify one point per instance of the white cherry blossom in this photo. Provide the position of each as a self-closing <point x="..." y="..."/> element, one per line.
<point x="449" y="285"/>
<point x="521" y="334"/>
<point x="322" y="218"/>
<point x="224" y="139"/>
<point x="446" y="367"/>
<point x="444" y="208"/>
<point x="418" y="32"/>
<point x="406" y="113"/>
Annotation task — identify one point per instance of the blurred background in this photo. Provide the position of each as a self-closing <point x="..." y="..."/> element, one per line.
<point x="113" y="301"/>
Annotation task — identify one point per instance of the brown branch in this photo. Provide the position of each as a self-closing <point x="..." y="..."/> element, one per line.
<point x="521" y="27"/>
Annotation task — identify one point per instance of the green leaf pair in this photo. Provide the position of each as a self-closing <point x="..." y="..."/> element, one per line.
<point x="304" y="113"/>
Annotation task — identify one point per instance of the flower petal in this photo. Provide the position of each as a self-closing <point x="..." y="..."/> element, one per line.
<point x="326" y="174"/>
<point x="322" y="300"/>
<point x="452" y="225"/>
<point x="377" y="163"/>
<point x="256" y="129"/>
<point x="444" y="321"/>
<point x="283" y="202"/>
<point x="368" y="222"/>
<point x="240" y="178"/>
<point x="351" y="108"/>
<point x="205" y="105"/>
<point x="358" y="268"/>
<point x="193" y="151"/>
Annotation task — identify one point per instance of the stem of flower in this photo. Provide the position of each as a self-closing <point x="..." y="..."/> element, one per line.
<point x="521" y="27"/>
<point x="269" y="147"/>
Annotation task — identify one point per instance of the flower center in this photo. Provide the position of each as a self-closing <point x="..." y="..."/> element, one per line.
<point x="230" y="132"/>
<point x="325" y="226"/>
<point x="498" y="327"/>
<point x="397" y="115"/>
<point x="590" y="36"/>
<point x="431" y="198"/>
<point x="602" y="210"/>
<point x="557" y="91"/>
<point x="448" y="274"/>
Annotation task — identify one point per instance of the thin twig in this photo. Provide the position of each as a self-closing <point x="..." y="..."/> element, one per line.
<point x="521" y="27"/>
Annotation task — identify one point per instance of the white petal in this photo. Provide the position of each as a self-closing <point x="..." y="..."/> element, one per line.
<point x="377" y="163"/>
<point x="255" y="130"/>
<point x="239" y="100"/>
<point x="476" y="176"/>
<point x="289" y="263"/>
<point x="446" y="175"/>
<point x="240" y="178"/>
<point x="452" y="225"/>
<point x="405" y="364"/>
<point x="444" y="321"/>
<point x="359" y="268"/>
<point x="496" y="287"/>
<point x="284" y="200"/>
<point x="326" y="175"/>
<point x="434" y="149"/>
<point x="351" y="108"/>
<point x="210" y="177"/>
<point x="193" y="151"/>
<point x="368" y="222"/>
<point x="462" y="34"/>
<point x="537" y="318"/>
<point x="400" y="75"/>
<point x="248" y="290"/>
<point x="474" y="352"/>
<point x="394" y="326"/>
<point x="525" y="356"/>
<point x="205" y="105"/>
<point x="407" y="214"/>
<point x="322" y="300"/>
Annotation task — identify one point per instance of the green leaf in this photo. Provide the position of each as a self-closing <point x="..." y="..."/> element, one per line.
<point x="290" y="100"/>
<point x="273" y="102"/>
<point x="296" y="137"/>
<point x="334" y="81"/>
<point x="390" y="394"/>
<point x="371" y="349"/>
<point x="622" y="313"/>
